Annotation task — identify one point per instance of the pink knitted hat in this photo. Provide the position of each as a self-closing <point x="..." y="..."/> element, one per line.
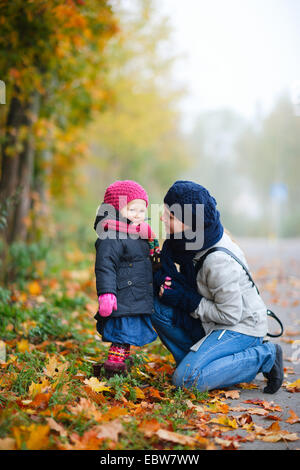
<point x="128" y="188"/>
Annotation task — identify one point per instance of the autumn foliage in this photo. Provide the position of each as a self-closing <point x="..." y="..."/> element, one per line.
<point x="89" y="101"/>
<point x="53" y="61"/>
<point x="51" y="399"/>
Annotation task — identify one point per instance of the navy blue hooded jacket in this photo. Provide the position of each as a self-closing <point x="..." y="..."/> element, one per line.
<point x="123" y="267"/>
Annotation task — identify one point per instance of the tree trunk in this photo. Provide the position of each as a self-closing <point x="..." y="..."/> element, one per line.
<point x="17" y="169"/>
<point x="10" y="163"/>
<point x="19" y="228"/>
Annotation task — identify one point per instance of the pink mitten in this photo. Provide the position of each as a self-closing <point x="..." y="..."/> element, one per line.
<point x="167" y="279"/>
<point x="107" y="303"/>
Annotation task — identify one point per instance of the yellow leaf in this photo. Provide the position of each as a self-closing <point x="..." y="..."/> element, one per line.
<point x="11" y="359"/>
<point x="38" y="437"/>
<point x="95" y="385"/>
<point x="54" y="368"/>
<point x="225" y="421"/>
<point x="139" y="372"/>
<point x="294" y="386"/>
<point x="23" y="345"/>
<point x="34" y="388"/>
<point x="247" y="386"/>
<point x="139" y="393"/>
<point x="17" y="435"/>
<point x="34" y="288"/>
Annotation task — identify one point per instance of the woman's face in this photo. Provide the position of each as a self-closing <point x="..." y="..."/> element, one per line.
<point x="172" y="224"/>
<point x="135" y="211"/>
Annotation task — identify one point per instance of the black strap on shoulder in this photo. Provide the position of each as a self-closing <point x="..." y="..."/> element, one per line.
<point x="199" y="265"/>
<point x="200" y="262"/>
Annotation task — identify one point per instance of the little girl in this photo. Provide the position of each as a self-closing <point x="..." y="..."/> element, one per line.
<point x="123" y="269"/>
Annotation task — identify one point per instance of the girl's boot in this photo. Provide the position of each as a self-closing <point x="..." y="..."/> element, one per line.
<point x="115" y="363"/>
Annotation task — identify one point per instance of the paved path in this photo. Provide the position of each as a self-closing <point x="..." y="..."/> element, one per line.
<point x="275" y="266"/>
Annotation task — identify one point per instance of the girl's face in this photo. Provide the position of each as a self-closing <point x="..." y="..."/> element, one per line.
<point x="135" y="211"/>
<point x="172" y="224"/>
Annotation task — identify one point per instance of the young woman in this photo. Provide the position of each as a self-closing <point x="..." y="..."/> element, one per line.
<point x="213" y="321"/>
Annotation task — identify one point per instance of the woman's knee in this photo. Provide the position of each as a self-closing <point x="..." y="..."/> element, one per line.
<point x="188" y="377"/>
<point x="163" y="314"/>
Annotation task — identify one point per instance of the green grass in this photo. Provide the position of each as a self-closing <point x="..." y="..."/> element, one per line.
<point x="55" y="323"/>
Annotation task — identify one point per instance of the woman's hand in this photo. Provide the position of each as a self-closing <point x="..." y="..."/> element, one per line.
<point x="186" y="299"/>
<point x="165" y="285"/>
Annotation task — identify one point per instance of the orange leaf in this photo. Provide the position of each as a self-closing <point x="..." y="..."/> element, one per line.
<point x="114" y="412"/>
<point x="293" y="418"/>
<point x="150" y="427"/>
<point x="274" y="418"/>
<point x="271" y="406"/>
<point x="34" y="288"/>
<point x="41" y="401"/>
<point x="89" y="441"/>
<point x="166" y="368"/>
<point x="96" y="397"/>
<point x="234" y="394"/>
<point x="153" y="392"/>
<point x="218" y="408"/>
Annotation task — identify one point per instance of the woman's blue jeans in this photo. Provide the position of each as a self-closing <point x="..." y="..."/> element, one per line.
<point x="220" y="361"/>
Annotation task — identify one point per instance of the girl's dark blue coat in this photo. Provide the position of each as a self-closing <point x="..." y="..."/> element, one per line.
<point x="123" y="267"/>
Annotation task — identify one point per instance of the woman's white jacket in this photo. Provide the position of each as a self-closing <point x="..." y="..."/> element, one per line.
<point x="230" y="301"/>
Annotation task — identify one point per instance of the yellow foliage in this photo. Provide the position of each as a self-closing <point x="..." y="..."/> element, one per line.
<point x="95" y="385"/>
<point x="23" y="345"/>
<point x="34" y="388"/>
<point x="34" y="288"/>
